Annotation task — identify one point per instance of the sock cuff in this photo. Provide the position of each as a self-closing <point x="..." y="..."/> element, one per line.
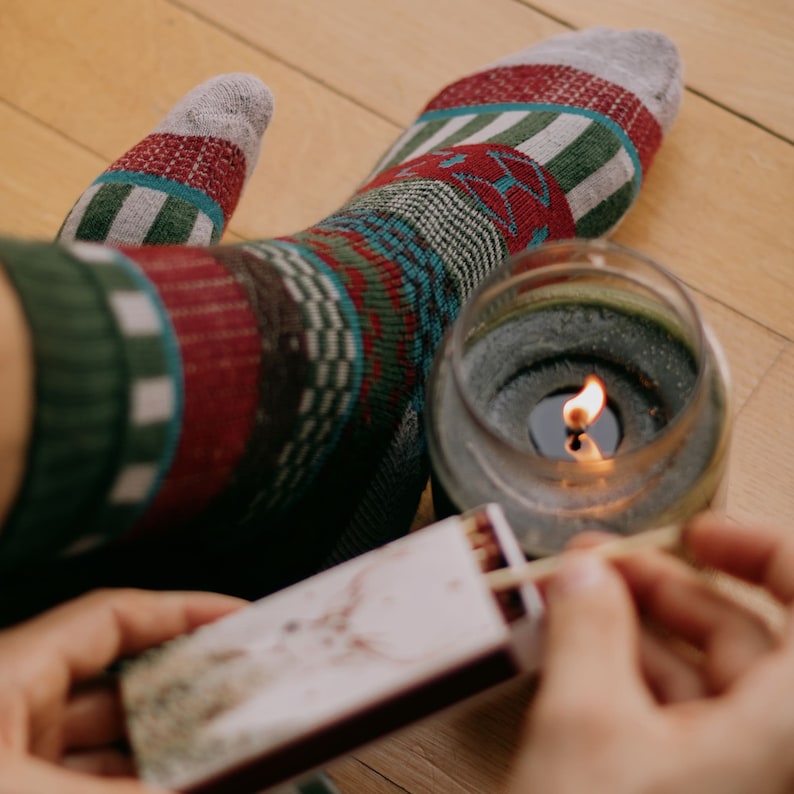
<point x="106" y="398"/>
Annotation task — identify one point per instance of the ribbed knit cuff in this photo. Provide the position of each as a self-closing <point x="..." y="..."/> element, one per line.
<point x="106" y="398"/>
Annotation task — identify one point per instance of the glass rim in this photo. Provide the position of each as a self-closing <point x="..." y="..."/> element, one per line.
<point x="578" y="251"/>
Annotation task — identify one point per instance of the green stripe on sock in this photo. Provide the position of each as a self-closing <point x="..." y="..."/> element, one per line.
<point x="106" y="398"/>
<point x="146" y="444"/>
<point x="525" y="129"/>
<point x="471" y="128"/>
<point x="173" y="223"/>
<point x="80" y="403"/>
<point x="602" y="217"/>
<point x="592" y="149"/>
<point x="424" y="133"/>
<point x="101" y="212"/>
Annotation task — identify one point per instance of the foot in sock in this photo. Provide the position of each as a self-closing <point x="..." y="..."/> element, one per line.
<point x="182" y="182"/>
<point x="274" y="390"/>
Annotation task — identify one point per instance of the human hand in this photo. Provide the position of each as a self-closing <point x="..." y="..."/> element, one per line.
<point x="707" y="706"/>
<point x="60" y="721"/>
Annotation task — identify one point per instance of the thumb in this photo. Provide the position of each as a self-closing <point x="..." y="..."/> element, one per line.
<point x="25" y="775"/>
<point x="591" y="650"/>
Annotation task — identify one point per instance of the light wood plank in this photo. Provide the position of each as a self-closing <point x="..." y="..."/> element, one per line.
<point x="389" y="57"/>
<point x="739" y="52"/>
<point x="749" y="349"/>
<point x="105" y="73"/>
<point x="762" y="466"/>
<point x="39" y="177"/>
<point x="354" y="777"/>
<point x="714" y="209"/>
<point x="467" y="749"/>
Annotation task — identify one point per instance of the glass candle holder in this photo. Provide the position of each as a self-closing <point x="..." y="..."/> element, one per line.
<point x="533" y="334"/>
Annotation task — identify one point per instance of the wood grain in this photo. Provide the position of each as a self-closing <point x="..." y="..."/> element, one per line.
<point x="762" y="467"/>
<point x="103" y="74"/>
<point x="41" y="180"/>
<point x="390" y="60"/>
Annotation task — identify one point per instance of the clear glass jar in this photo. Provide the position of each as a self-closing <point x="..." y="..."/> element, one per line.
<point x="538" y="326"/>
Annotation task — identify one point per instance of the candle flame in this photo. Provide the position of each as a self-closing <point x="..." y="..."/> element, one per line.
<point x="584" y="408"/>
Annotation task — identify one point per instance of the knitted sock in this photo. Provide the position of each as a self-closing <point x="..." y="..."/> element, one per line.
<point x="182" y="182"/>
<point x="273" y="391"/>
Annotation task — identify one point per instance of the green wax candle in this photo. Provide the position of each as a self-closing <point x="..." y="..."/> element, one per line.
<point x="533" y="333"/>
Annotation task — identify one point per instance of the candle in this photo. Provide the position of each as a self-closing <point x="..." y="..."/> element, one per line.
<point x="573" y="320"/>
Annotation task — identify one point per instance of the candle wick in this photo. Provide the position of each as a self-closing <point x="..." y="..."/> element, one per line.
<point x="583" y="447"/>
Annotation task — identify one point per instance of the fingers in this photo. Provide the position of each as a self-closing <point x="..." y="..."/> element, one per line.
<point x="101" y="763"/>
<point x="760" y="555"/>
<point x="684" y="605"/>
<point x="32" y="776"/>
<point x="80" y="639"/>
<point x="93" y="718"/>
<point x="590" y="655"/>
<point x="671" y="675"/>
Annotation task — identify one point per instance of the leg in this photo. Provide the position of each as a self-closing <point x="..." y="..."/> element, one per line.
<point x="279" y="399"/>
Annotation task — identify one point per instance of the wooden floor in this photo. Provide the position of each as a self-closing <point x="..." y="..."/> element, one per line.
<point x="80" y="82"/>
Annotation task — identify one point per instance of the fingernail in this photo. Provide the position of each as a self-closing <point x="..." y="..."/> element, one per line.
<point x="578" y="571"/>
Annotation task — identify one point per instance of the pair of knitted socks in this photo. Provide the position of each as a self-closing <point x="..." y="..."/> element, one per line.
<point x="261" y="404"/>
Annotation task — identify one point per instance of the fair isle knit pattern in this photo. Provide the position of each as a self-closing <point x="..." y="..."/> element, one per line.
<point x="182" y="182"/>
<point x="304" y="358"/>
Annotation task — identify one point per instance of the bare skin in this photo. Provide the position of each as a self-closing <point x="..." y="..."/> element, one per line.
<point x="700" y="706"/>
<point x="16" y="395"/>
<point x="60" y="721"/>
<point x="705" y="707"/>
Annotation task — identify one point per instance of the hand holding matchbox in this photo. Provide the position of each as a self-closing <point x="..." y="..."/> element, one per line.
<point x="330" y="663"/>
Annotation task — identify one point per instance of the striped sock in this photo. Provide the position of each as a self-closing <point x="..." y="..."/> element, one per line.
<point x="294" y="368"/>
<point x="590" y="109"/>
<point x="182" y="182"/>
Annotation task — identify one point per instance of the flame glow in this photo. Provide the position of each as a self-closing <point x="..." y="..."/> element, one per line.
<point x="586" y="449"/>
<point x="584" y="408"/>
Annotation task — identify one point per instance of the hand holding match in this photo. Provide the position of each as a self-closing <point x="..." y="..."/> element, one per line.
<point x="666" y="538"/>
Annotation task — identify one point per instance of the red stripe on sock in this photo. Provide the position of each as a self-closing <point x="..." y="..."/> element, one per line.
<point x="212" y="165"/>
<point x="559" y="85"/>
<point x="221" y="353"/>
<point x="517" y="193"/>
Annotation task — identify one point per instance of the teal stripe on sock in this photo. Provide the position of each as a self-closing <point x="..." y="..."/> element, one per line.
<point x="628" y="145"/>
<point x="190" y="194"/>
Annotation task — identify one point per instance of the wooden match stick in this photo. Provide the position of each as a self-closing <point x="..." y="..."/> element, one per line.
<point x="665" y="538"/>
